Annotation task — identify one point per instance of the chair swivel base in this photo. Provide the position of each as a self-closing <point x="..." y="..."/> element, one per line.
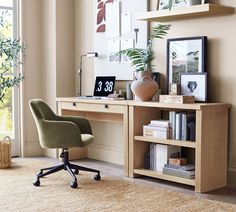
<point x="72" y="169"/>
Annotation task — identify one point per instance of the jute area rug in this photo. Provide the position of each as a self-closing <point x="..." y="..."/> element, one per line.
<point x="110" y="194"/>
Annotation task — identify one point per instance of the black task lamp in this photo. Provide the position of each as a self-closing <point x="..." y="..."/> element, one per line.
<point x="88" y="55"/>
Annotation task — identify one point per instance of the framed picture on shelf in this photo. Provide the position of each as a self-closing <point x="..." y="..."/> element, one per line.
<point x="169" y="4"/>
<point x="185" y="55"/>
<point x="194" y="84"/>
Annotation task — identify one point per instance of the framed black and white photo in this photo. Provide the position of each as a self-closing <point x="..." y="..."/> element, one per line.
<point x="185" y="55"/>
<point x="194" y="84"/>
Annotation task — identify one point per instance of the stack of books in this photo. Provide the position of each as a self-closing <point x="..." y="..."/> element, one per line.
<point x="158" y="129"/>
<point x="160" y="154"/>
<point x="184" y="171"/>
<point x="183" y="125"/>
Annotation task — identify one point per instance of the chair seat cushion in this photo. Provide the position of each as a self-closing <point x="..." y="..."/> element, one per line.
<point x="87" y="139"/>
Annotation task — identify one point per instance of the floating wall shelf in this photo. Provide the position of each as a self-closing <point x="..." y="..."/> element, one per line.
<point x="196" y="11"/>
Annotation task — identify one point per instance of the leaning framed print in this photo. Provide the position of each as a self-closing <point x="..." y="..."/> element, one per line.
<point x="194" y="84"/>
<point x="185" y="55"/>
<point x="170" y="4"/>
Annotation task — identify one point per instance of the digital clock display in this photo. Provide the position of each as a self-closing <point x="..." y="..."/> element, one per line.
<point x="104" y="86"/>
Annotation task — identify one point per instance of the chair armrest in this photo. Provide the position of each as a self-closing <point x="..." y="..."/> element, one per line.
<point x="60" y="134"/>
<point x="81" y="122"/>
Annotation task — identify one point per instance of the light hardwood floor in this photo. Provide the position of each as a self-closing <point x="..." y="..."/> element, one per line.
<point x="108" y="169"/>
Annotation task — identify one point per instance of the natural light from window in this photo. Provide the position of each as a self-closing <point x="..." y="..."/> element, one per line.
<point x="6" y="107"/>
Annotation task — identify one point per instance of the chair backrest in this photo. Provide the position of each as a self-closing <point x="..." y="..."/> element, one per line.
<point x="41" y="110"/>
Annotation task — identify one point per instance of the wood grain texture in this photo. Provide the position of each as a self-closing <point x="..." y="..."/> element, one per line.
<point x="189" y="144"/>
<point x="212" y="142"/>
<point x="97" y="110"/>
<point x="162" y="176"/>
<point x="203" y="10"/>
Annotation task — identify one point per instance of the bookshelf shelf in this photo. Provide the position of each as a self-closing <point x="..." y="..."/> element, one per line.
<point x="196" y="11"/>
<point x="189" y="144"/>
<point x="159" y="175"/>
<point x="208" y="152"/>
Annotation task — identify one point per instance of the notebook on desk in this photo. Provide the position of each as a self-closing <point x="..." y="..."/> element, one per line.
<point x="104" y="85"/>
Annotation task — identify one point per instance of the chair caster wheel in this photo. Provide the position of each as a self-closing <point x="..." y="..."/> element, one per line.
<point x="36" y="183"/>
<point x="76" y="171"/>
<point x="74" y="185"/>
<point x="97" y="177"/>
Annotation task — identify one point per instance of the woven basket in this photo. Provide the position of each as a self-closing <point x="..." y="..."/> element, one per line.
<point x="5" y="153"/>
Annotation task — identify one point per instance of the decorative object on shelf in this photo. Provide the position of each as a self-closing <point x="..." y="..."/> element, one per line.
<point x="175" y="89"/>
<point x="169" y="4"/>
<point x="144" y="87"/>
<point x="180" y="99"/>
<point x="101" y="15"/>
<point x="88" y="55"/>
<point x="185" y="55"/>
<point x="194" y="84"/>
<point x="129" y="93"/>
<point x="178" y="161"/>
<point x="5" y="153"/>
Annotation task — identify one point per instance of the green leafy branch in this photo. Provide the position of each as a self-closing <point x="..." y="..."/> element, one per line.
<point x="11" y="51"/>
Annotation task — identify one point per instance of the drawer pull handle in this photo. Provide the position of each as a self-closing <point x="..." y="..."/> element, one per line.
<point x="74" y="104"/>
<point x="106" y="106"/>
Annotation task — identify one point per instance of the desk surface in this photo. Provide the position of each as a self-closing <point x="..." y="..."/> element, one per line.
<point x="192" y="106"/>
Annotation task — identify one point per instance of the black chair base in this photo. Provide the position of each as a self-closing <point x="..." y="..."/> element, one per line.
<point x="72" y="169"/>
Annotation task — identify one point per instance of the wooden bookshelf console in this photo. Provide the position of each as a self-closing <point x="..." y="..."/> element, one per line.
<point x="210" y="146"/>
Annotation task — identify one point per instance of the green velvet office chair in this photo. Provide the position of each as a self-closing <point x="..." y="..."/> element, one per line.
<point x="61" y="132"/>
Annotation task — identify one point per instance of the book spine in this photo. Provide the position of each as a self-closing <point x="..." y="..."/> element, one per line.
<point x="161" y="134"/>
<point x="152" y="156"/>
<point x="160" y="123"/>
<point x="184" y="167"/>
<point x="160" y="156"/>
<point x="172" y="115"/>
<point x="151" y="127"/>
<point x="179" y="173"/>
<point x="184" y="127"/>
<point x="178" y="126"/>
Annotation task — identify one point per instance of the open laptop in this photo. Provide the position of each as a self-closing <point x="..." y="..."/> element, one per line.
<point x="104" y="85"/>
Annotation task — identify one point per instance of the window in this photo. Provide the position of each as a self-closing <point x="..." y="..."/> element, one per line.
<point x="8" y="108"/>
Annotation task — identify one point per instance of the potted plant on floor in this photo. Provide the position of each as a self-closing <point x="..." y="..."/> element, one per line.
<point x="10" y="59"/>
<point x="144" y="87"/>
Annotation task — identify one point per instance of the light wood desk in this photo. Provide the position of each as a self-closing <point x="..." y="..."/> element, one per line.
<point x="99" y="110"/>
<point x="209" y="150"/>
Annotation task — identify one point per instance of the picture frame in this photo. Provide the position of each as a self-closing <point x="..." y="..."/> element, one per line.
<point x="164" y="4"/>
<point x="194" y="84"/>
<point x="185" y="55"/>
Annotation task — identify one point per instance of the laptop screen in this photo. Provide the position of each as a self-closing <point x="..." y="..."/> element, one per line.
<point x="104" y="85"/>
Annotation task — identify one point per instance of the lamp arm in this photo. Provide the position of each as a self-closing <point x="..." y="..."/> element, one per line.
<point x="80" y="73"/>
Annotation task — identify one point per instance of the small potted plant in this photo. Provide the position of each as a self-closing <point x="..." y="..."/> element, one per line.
<point x="10" y="59"/>
<point x="144" y="87"/>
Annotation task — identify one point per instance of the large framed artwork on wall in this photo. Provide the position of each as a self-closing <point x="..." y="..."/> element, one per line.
<point x="185" y="55"/>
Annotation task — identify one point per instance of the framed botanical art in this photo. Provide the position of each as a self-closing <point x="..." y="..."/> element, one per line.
<point x="194" y="84"/>
<point x="185" y="55"/>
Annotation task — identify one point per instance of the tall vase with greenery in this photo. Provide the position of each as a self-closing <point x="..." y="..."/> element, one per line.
<point x="144" y="87"/>
<point x="11" y="51"/>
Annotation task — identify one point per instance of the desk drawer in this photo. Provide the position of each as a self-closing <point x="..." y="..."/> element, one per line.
<point x="91" y="107"/>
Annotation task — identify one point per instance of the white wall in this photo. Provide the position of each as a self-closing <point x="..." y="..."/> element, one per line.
<point x="48" y="31"/>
